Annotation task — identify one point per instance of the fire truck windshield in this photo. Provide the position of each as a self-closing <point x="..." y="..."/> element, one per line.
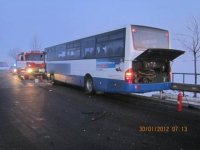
<point x="34" y="57"/>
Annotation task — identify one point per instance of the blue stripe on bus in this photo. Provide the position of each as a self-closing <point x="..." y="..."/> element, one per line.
<point x="119" y="86"/>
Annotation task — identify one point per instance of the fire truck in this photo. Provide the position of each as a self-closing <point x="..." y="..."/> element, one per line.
<point x="30" y="64"/>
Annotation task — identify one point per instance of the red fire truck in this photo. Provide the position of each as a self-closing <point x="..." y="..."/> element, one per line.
<point x="30" y="64"/>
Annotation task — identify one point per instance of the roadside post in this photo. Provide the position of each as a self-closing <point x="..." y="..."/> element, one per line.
<point x="179" y="101"/>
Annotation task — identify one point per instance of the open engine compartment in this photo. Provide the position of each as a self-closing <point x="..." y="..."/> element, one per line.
<point x="153" y="65"/>
<point x="151" y="71"/>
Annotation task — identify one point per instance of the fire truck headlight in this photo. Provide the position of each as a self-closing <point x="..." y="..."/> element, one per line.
<point x="29" y="70"/>
<point x="15" y="70"/>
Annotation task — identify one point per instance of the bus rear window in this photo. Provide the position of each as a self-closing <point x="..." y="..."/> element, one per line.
<point x="146" y="37"/>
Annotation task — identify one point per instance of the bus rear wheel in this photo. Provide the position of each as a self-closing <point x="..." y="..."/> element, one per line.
<point x="89" y="87"/>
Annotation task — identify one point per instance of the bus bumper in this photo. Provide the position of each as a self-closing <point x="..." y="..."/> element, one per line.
<point x="143" y="88"/>
<point x="120" y="86"/>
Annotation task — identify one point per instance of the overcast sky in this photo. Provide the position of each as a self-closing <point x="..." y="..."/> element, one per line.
<point x="58" y="21"/>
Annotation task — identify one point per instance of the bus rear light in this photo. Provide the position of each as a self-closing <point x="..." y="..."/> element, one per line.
<point x="129" y="74"/>
<point x="133" y="30"/>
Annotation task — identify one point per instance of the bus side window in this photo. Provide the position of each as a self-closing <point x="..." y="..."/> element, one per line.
<point x="88" y="48"/>
<point x="101" y="50"/>
<point x="89" y="53"/>
<point x="118" y="47"/>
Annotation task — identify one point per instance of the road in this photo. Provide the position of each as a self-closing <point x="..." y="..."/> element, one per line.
<point x="61" y="117"/>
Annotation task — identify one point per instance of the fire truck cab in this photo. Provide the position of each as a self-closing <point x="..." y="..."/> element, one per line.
<point x="30" y="64"/>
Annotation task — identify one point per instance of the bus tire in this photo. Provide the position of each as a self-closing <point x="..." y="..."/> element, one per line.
<point x="88" y="85"/>
<point x="52" y="79"/>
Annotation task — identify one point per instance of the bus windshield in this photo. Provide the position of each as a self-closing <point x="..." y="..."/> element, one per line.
<point x="146" y="37"/>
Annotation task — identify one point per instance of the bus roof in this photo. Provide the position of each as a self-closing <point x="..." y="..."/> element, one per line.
<point x="106" y="31"/>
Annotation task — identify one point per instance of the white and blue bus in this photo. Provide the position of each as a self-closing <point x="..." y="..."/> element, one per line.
<point x="133" y="59"/>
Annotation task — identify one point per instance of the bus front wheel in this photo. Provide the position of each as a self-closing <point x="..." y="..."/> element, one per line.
<point x="89" y="87"/>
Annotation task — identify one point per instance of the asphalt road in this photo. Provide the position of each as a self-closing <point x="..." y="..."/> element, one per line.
<point x="61" y="117"/>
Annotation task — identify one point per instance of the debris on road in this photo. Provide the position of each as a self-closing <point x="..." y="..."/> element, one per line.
<point x="95" y="115"/>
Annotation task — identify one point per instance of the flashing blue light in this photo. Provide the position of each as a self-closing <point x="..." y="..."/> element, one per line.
<point x="14" y="65"/>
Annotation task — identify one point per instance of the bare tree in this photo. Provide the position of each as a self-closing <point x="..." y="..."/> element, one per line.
<point x="13" y="53"/>
<point x="36" y="45"/>
<point x="192" y="43"/>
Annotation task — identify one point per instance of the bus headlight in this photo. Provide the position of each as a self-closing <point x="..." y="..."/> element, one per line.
<point x="29" y="70"/>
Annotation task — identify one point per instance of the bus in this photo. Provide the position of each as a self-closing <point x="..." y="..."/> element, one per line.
<point x="133" y="59"/>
